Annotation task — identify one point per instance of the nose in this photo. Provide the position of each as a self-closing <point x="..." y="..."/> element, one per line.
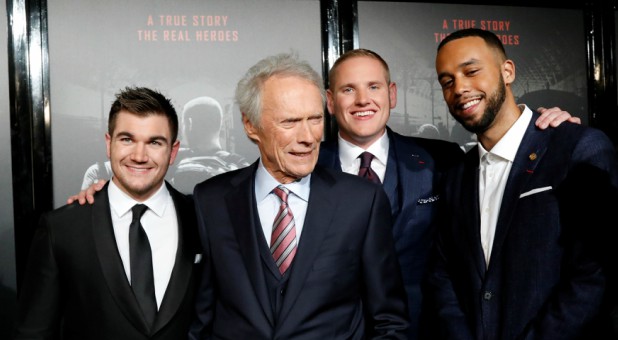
<point x="309" y="132"/>
<point x="362" y="97"/>
<point x="460" y="86"/>
<point x="140" y="154"/>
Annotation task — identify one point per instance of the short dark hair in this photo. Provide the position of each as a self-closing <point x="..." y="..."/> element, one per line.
<point x="142" y="101"/>
<point x="489" y="37"/>
<point x="359" y="52"/>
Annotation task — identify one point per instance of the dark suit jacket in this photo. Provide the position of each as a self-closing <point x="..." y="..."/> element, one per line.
<point x="76" y="286"/>
<point x="414" y="171"/>
<point x="546" y="277"/>
<point x="344" y="282"/>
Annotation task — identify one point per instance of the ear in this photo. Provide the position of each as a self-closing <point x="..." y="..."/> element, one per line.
<point x="330" y="102"/>
<point x="392" y="94"/>
<point x="250" y="129"/>
<point x="175" y="148"/>
<point x="108" y="144"/>
<point x="508" y="71"/>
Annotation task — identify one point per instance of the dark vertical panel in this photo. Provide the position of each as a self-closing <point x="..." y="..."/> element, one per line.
<point x="8" y="281"/>
<point x="339" y="34"/>
<point x="30" y="123"/>
<point x="600" y="38"/>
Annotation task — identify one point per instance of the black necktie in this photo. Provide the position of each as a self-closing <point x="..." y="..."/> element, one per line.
<point x="142" y="280"/>
<point x="365" y="169"/>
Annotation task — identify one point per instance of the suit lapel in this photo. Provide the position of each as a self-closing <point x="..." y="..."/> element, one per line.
<point x="317" y="222"/>
<point x="470" y="209"/>
<point x="392" y="183"/>
<point x="241" y="209"/>
<point x="329" y="155"/>
<point x="530" y="152"/>
<point x="111" y="263"/>
<point x="180" y="281"/>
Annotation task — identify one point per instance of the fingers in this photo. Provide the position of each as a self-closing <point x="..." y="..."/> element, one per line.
<point x="87" y="195"/>
<point x="72" y="199"/>
<point x="553" y="117"/>
<point x="91" y="190"/>
<point x="575" y="120"/>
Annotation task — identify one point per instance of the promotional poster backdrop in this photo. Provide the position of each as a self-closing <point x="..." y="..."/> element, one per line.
<point x="7" y="234"/>
<point x="194" y="52"/>
<point x="549" y="58"/>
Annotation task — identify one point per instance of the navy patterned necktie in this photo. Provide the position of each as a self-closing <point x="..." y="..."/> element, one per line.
<point x="365" y="169"/>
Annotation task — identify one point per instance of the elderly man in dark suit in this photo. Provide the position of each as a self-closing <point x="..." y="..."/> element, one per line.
<point x="521" y="251"/>
<point x="294" y="250"/>
<point x="123" y="267"/>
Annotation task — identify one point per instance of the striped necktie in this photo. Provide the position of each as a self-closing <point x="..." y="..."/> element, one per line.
<point x="283" y="241"/>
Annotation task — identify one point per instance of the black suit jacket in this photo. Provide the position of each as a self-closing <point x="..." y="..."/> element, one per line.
<point x="76" y="287"/>
<point x="344" y="282"/>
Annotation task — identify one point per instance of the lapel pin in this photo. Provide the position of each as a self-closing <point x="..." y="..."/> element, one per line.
<point x="532" y="156"/>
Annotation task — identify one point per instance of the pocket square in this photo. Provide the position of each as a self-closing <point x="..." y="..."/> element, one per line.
<point x="428" y="199"/>
<point x="534" y="191"/>
<point x="198" y="258"/>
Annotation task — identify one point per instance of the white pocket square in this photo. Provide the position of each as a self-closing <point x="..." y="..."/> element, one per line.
<point x="534" y="191"/>
<point x="428" y="199"/>
<point x="198" y="258"/>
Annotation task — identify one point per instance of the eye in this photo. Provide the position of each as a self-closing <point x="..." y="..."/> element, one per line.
<point x="374" y="87"/>
<point x="125" y="140"/>
<point x="347" y="90"/>
<point x="472" y="72"/>
<point x="446" y="83"/>
<point x="316" y="119"/>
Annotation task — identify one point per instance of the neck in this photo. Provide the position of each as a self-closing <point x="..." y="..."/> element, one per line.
<point x="508" y="115"/>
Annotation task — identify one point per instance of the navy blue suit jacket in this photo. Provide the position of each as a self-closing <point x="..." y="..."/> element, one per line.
<point x="344" y="282"/>
<point x="547" y="275"/>
<point x="414" y="171"/>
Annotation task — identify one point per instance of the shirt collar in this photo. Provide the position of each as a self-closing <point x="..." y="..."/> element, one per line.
<point x="121" y="203"/>
<point x="265" y="183"/>
<point x="349" y="152"/>
<point x="509" y="143"/>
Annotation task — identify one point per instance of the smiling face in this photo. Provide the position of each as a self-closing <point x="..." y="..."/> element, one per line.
<point x="291" y="127"/>
<point x="140" y="151"/>
<point x="361" y="99"/>
<point x="474" y="79"/>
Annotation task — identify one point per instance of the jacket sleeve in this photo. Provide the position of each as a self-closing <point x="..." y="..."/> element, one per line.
<point x="587" y="197"/>
<point x="38" y="311"/>
<point x="384" y="295"/>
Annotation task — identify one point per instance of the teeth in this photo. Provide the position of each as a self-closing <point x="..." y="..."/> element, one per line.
<point x="470" y="103"/>
<point x="364" y="113"/>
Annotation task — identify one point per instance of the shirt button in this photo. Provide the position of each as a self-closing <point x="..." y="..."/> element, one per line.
<point x="487" y="295"/>
<point x="282" y="292"/>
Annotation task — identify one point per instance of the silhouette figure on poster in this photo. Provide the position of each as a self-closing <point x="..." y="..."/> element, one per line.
<point x="201" y="154"/>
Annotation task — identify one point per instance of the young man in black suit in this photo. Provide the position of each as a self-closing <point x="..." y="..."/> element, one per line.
<point x="98" y="272"/>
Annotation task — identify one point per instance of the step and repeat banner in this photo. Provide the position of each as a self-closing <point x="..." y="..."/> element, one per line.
<point x="192" y="51"/>
<point x="547" y="45"/>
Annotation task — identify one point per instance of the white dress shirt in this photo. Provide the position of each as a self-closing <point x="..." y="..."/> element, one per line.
<point x="268" y="203"/>
<point x="350" y="163"/>
<point x="495" y="166"/>
<point x="161" y="226"/>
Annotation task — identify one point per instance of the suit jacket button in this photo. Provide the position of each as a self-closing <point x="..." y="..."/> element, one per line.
<point x="487" y="295"/>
